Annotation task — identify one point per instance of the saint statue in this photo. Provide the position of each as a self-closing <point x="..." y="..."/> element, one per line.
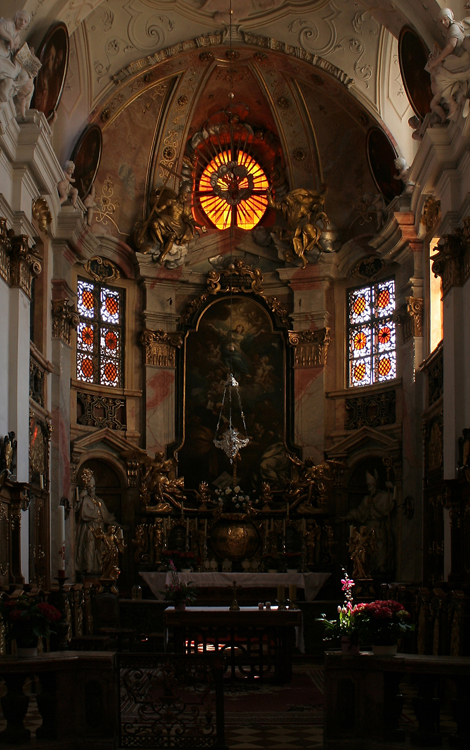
<point x="16" y="78"/>
<point x="450" y="70"/>
<point x="93" y="520"/>
<point x="374" y="512"/>
<point x="170" y="222"/>
<point x="301" y="209"/>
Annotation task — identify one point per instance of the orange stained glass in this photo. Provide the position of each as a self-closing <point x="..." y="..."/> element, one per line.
<point x="249" y="211"/>
<point x="384" y="335"/>
<point x="88" y="299"/>
<point x="383" y="300"/>
<point x="87" y="335"/>
<point x="112" y="305"/>
<point x="110" y="372"/>
<point x="359" y="305"/>
<point x="384" y="366"/>
<point x="360" y="371"/>
<point x="111" y="340"/>
<point x="87" y="367"/>
<point x="360" y="340"/>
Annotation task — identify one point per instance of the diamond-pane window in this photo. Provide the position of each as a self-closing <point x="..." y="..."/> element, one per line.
<point x="99" y="334"/>
<point x="372" y="334"/>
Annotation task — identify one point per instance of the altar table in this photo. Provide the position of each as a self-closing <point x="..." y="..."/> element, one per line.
<point x="253" y="641"/>
<point x="310" y="582"/>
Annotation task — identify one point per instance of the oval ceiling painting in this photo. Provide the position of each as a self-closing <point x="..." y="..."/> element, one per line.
<point x="413" y="56"/>
<point x="86" y="156"/>
<point x="49" y="84"/>
<point x="381" y="156"/>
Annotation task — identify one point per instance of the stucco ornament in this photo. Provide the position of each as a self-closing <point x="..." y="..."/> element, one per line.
<point x="18" y="64"/>
<point x="450" y="69"/>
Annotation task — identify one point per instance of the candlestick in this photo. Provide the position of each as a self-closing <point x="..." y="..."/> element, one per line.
<point x="187" y="526"/>
<point x="287" y="510"/>
<point x="205" y="527"/>
<point x="41" y="481"/>
<point x="304" y="528"/>
<point x="284" y="527"/>
<point x="281" y="594"/>
<point x="292" y="593"/>
<point x="272" y="524"/>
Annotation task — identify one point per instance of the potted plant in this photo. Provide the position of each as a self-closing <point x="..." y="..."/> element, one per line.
<point x="26" y="619"/>
<point x="382" y="623"/>
<point x="178" y="593"/>
<point x="345" y="625"/>
<point x="292" y="561"/>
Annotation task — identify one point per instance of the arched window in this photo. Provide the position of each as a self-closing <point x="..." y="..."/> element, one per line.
<point x="372" y="334"/>
<point x="100" y="334"/>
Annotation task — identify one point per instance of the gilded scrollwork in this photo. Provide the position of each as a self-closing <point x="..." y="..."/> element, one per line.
<point x="310" y="347"/>
<point x="159" y="347"/>
<point x="102" y="269"/>
<point x="64" y="318"/>
<point x="410" y="316"/>
<point x="24" y="264"/>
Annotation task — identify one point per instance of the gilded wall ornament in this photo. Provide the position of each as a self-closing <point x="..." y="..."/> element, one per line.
<point x="367" y="268"/>
<point x="24" y="264"/>
<point x="373" y="410"/>
<point x="102" y="411"/>
<point x="42" y="214"/>
<point x="410" y="316"/>
<point x="102" y="269"/>
<point x="452" y="259"/>
<point x="159" y="347"/>
<point x="431" y="214"/>
<point x="310" y="347"/>
<point x="64" y="318"/>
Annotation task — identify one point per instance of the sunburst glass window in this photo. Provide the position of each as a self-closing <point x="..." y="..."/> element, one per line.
<point x="372" y="334"/>
<point x="233" y="192"/>
<point x="99" y="334"/>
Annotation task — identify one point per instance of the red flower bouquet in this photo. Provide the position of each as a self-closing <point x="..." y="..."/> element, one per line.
<point x="26" y="619"/>
<point x="382" y="622"/>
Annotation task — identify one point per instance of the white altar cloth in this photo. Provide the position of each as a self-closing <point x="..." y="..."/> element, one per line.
<point x="310" y="582"/>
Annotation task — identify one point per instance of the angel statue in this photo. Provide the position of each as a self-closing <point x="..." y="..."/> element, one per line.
<point x="450" y="69"/>
<point x="170" y="222"/>
<point x="112" y="543"/>
<point x="159" y="485"/>
<point x="18" y="64"/>
<point x="301" y="209"/>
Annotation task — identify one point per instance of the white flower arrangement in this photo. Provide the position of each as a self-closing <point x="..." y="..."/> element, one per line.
<point x="235" y="498"/>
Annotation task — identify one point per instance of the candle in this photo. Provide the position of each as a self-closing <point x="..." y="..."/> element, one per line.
<point x="287" y="510"/>
<point x="61" y="519"/>
<point x="292" y="592"/>
<point x="77" y="497"/>
<point x="266" y="527"/>
<point x="280" y="594"/>
<point x="187" y="527"/>
<point x="205" y="527"/>
<point x="272" y="524"/>
<point x="284" y="527"/>
<point x="304" y="526"/>
<point x="41" y="481"/>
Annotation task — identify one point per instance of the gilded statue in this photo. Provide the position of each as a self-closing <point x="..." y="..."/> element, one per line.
<point x="170" y="222"/>
<point x="301" y="209"/>
<point x="361" y="546"/>
<point x="310" y="484"/>
<point x="112" y="543"/>
<point x="158" y="485"/>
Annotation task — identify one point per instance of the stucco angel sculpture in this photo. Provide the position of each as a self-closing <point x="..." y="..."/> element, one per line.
<point x="301" y="209"/>
<point x="18" y="64"/>
<point x="450" y="70"/>
<point x="170" y="222"/>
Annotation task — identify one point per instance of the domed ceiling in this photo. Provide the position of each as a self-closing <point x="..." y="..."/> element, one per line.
<point x="310" y="78"/>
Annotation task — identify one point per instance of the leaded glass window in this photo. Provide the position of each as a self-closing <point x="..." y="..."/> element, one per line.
<point x="372" y="339"/>
<point x="99" y="334"/>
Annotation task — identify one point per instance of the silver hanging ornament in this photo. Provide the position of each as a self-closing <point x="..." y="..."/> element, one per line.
<point x="231" y="441"/>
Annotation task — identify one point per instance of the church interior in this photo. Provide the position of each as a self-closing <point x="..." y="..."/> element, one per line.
<point x="234" y="414"/>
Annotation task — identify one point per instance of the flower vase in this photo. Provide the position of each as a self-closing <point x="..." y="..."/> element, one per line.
<point x="349" y="647"/>
<point x="180" y="607"/>
<point x="26" y="648"/>
<point x="385" y="650"/>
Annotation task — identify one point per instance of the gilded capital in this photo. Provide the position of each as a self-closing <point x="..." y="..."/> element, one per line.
<point x="64" y="318"/>
<point x="159" y="347"/>
<point x="18" y="264"/>
<point x="410" y="316"/>
<point x="42" y="214"/>
<point x="431" y="214"/>
<point x="452" y="259"/>
<point x="311" y="347"/>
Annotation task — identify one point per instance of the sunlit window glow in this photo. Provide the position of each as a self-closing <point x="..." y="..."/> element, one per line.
<point x="99" y="334"/>
<point x="372" y="335"/>
<point x="435" y="296"/>
<point x="221" y="195"/>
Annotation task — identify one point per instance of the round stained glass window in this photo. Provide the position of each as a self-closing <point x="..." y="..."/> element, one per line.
<point x="110" y="372"/>
<point x="111" y="340"/>
<point x="112" y="305"/>
<point x="87" y="367"/>
<point x="87" y="335"/>
<point x="359" y="305"/>
<point x="360" y="371"/>
<point x="233" y="192"/>
<point x="88" y="299"/>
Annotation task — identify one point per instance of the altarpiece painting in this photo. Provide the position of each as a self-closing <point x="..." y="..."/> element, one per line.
<point x="235" y="335"/>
